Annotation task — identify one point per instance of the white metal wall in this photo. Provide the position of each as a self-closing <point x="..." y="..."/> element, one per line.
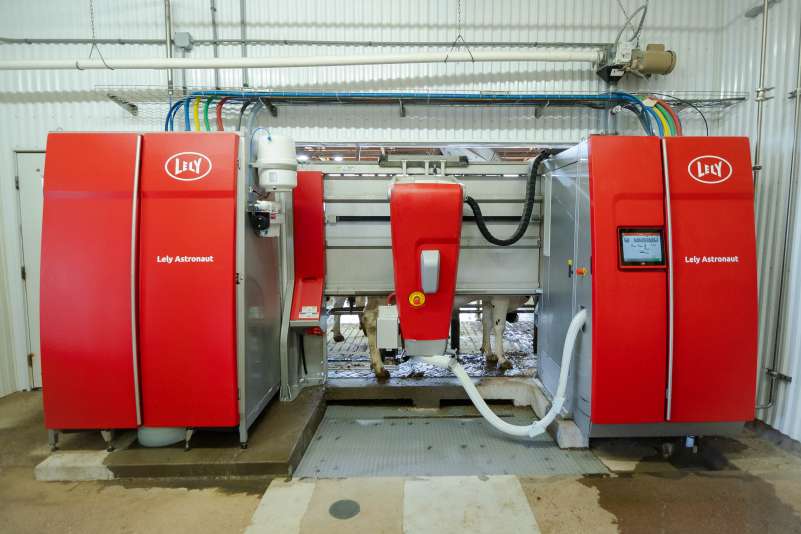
<point x="740" y="63"/>
<point x="717" y="49"/>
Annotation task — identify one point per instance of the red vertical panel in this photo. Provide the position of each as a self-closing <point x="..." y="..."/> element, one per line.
<point x="629" y="309"/>
<point x="309" y="237"/>
<point x="715" y="315"/>
<point x="88" y="366"/>
<point x="187" y="281"/>
<point x="425" y="216"/>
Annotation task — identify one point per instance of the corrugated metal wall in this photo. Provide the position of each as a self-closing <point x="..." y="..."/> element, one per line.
<point x="718" y="52"/>
<point x="740" y="65"/>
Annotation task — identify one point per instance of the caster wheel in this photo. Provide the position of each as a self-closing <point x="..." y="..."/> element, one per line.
<point x="668" y="449"/>
<point x="243" y="445"/>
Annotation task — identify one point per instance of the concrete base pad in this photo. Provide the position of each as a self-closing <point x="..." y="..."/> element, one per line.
<point x="277" y="442"/>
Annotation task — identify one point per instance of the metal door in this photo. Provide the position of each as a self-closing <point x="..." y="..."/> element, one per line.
<point x="30" y="182"/>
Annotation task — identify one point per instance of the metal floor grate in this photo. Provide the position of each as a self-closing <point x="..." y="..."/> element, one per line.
<point x="390" y="441"/>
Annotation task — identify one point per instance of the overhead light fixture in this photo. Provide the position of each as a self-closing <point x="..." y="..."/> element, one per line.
<point x="303" y="157"/>
<point x="338" y="158"/>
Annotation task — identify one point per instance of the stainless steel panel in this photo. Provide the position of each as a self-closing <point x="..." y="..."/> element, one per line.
<point x="359" y="255"/>
<point x="511" y="271"/>
<point x="369" y="234"/>
<point x="557" y="304"/>
<point x="258" y="313"/>
<point x="580" y="386"/>
<point x="381" y="209"/>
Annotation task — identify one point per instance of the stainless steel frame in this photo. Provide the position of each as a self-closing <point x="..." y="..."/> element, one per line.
<point x="258" y="310"/>
<point x="358" y="246"/>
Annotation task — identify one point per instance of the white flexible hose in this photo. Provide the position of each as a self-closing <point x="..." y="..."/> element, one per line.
<point x="537" y="427"/>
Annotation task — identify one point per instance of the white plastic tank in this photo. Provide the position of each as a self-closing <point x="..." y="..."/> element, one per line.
<point x="278" y="166"/>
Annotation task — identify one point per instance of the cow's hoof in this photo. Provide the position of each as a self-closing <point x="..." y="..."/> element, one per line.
<point x="339" y="338"/>
<point x="505" y="365"/>
<point x="382" y="375"/>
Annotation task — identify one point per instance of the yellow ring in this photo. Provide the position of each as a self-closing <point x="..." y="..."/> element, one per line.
<point x="417" y="299"/>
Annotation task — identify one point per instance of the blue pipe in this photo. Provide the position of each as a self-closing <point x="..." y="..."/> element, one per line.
<point x="169" y="122"/>
<point x="651" y="113"/>
<point x="510" y="99"/>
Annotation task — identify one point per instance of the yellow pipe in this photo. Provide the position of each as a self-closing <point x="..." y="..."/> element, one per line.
<point x="665" y="125"/>
<point x="658" y="113"/>
<point x="197" y="114"/>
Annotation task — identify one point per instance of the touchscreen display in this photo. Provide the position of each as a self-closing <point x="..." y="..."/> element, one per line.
<point x="641" y="247"/>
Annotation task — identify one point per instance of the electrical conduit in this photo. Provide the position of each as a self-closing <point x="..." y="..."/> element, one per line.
<point x="537" y="427"/>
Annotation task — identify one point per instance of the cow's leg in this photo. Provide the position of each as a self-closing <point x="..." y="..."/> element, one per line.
<point x="500" y="305"/>
<point x="339" y="302"/>
<point x="370" y="322"/>
<point x="486" y="330"/>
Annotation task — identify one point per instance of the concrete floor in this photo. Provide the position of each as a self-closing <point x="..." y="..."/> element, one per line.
<point x="758" y="490"/>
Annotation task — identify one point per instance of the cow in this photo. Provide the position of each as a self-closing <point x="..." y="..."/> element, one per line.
<point x="338" y="302"/>
<point x="368" y="321"/>
<point x="494" y="312"/>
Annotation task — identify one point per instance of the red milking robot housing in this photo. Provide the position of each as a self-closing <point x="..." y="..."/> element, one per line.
<point x="648" y="271"/>
<point x="164" y="304"/>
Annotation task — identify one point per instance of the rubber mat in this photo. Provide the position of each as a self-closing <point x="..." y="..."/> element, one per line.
<point x="377" y="441"/>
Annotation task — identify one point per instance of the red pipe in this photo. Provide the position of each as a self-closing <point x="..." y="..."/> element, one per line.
<point x="222" y="101"/>
<point x="669" y="109"/>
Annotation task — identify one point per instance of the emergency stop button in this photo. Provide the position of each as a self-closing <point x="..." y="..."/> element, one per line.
<point x="417" y="299"/>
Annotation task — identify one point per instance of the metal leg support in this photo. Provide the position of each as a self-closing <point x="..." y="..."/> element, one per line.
<point x="189" y="433"/>
<point x="52" y="439"/>
<point x="108" y="437"/>
<point x="243" y="436"/>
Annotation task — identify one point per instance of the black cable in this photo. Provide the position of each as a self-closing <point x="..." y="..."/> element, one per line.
<point x="525" y="218"/>
<point x="687" y="102"/>
<point x="302" y="351"/>
<point x="242" y="114"/>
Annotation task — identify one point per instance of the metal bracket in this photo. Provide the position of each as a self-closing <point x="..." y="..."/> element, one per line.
<point x="762" y="94"/>
<point x="779" y="376"/>
<point x="794" y="93"/>
<point x="401" y="109"/>
<point x="130" y="107"/>
<point x="270" y="106"/>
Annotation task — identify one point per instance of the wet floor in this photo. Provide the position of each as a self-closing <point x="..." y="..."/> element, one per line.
<point x="757" y="490"/>
<point x="350" y="358"/>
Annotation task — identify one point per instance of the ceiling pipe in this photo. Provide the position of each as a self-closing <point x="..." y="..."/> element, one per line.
<point x="244" y="34"/>
<point x="761" y="92"/>
<point x="302" y="42"/>
<point x="167" y="42"/>
<point x="301" y="61"/>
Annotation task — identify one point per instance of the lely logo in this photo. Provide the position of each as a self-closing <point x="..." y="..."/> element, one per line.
<point x="709" y="169"/>
<point x="188" y="166"/>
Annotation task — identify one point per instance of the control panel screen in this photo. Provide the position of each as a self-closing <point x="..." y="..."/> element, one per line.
<point x="642" y="247"/>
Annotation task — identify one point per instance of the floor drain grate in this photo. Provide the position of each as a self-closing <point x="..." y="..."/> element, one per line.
<point x="344" y="509"/>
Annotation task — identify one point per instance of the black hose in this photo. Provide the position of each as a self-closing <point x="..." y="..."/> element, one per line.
<point x="242" y="114"/>
<point x="525" y="218"/>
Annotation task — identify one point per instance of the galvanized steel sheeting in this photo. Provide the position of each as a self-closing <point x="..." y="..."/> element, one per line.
<point x="718" y="52"/>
